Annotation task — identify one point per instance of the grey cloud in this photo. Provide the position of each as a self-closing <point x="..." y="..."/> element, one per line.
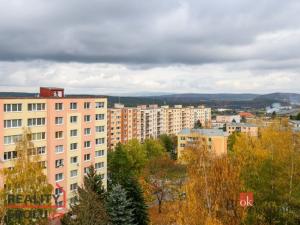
<point x="147" y="32"/>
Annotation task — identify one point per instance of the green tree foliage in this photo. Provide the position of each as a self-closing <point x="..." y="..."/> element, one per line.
<point x="170" y="143"/>
<point x="298" y="116"/>
<point x="138" y="204"/>
<point x="25" y="178"/>
<point x="90" y="208"/>
<point x="119" y="206"/>
<point x="270" y="168"/>
<point x="198" y="125"/>
<point x="231" y="140"/>
<point x="153" y="148"/>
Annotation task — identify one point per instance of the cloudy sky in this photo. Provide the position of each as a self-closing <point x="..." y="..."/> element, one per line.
<point x="134" y="46"/>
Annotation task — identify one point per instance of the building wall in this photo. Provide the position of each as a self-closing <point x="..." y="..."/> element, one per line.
<point x="242" y="128"/>
<point x="228" y="118"/>
<point x="50" y="128"/>
<point x="217" y="144"/>
<point x="123" y="125"/>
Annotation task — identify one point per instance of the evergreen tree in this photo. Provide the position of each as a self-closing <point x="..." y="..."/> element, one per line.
<point x="298" y="116"/>
<point x="90" y="207"/>
<point x="119" y="206"/>
<point x="139" y="207"/>
<point x="93" y="181"/>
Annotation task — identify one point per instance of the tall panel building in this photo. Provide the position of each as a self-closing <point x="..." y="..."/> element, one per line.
<point x="123" y="125"/>
<point x="68" y="132"/>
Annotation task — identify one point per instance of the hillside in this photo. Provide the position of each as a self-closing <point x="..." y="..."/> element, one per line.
<point x="236" y="101"/>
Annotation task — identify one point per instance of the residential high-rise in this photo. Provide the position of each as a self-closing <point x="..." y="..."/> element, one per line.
<point x="123" y="124"/>
<point x="203" y="115"/>
<point x="68" y="132"/>
<point x="152" y="124"/>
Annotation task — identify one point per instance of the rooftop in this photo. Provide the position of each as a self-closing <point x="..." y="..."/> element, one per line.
<point x="206" y="132"/>
<point x="241" y="125"/>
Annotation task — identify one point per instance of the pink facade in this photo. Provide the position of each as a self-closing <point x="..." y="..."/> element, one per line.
<point x="85" y="155"/>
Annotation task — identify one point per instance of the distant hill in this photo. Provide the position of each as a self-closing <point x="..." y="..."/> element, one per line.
<point x="290" y="98"/>
<point x="17" y="94"/>
<point x="235" y="101"/>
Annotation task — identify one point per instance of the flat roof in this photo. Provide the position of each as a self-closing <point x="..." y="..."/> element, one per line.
<point x="295" y="121"/>
<point x="206" y="132"/>
<point x="241" y="125"/>
<point x="53" y="97"/>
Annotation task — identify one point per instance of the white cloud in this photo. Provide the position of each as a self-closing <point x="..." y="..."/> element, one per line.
<point x="119" y="79"/>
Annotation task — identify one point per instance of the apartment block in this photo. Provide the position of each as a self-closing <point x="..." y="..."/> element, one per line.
<point x="152" y="121"/>
<point x="247" y="128"/>
<point x="214" y="139"/>
<point x="228" y="119"/>
<point x="152" y="124"/>
<point x="68" y="132"/>
<point x="203" y="115"/>
<point x="123" y="124"/>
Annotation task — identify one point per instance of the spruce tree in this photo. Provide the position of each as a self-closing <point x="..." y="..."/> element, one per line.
<point x="90" y="206"/>
<point x="119" y="206"/>
<point x="139" y="207"/>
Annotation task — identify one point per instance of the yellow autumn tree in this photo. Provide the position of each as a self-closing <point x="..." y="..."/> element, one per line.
<point x="271" y="170"/>
<point x="212" y="189"/>
<point x="25" y="179"/>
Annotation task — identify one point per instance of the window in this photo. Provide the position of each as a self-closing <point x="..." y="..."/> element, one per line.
<point x="73" y="119"/>
<point x="10" y="155"/>
<point x="99" y="165"/>
<point x="58" y="106"/>
<point x="12" y="139"/>
<point x="36" y="106"/>
<point x="87" y="144"/>
<point x="100" y="141"/>
<point x="100" y="129"/>
<point x="38" y="136"/>
<point x="87" y="118"/>
<point x="73" y="187"/>
<point x="74" y="159"/>
<point x="36" y="122"/>
<point x="38" y="151"/>
<point x="87" y="131"/>
<point x="99" y="105"/>
<point x="87" y="157"/>
<point x="59" y="120"/>
<point x="99" y="116"/>
<point x="73" y="146"/>
<point x="12" y="123"/>
<point x="99" y="153"/>
<point x="58" y="191"/>
<point x="43" y="164"/>
<point x="73" y="173"/>
<point x="13" y="107"/>
<point x="86" y="170"/>
<point x="59" y="177"/>
<point x="73" y="105"/>
<point x="73" y="133"/>
<point x="59" y="149"/>
<point x="59" y="134"/>
<point x="87" y="105"/>
<point x="59" y="163"/>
